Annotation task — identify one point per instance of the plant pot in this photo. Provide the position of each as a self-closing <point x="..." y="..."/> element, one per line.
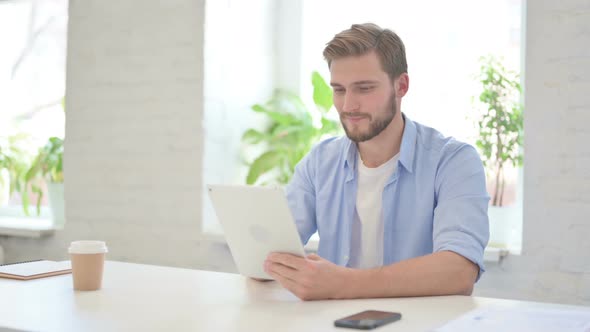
<point x="505" y="222"/>
<point x="57" y="203"/>
<point x="4" y="187"/>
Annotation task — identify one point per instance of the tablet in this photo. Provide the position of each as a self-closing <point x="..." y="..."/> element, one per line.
<point x="256" y="221"/>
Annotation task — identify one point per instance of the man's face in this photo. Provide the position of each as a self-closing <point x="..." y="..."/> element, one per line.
<point x="363" y="95"/>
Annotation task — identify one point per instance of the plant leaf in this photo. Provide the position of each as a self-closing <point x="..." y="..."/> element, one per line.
<point x="264" y="163"/>
<point x="252" y="136"/>
<point x="322" y="93"/>
<point x="278" y="117"/>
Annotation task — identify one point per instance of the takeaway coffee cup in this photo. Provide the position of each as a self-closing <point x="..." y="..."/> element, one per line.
<point x="87" y="264"/>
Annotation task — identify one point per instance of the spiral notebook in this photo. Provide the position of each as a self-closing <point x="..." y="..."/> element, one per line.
<point x="34" y="269"/>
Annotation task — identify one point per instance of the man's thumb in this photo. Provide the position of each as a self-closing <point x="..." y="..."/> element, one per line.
<point x="313" y="257"/>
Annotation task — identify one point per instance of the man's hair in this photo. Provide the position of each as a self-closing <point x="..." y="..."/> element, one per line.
<point x="361" y="39"/>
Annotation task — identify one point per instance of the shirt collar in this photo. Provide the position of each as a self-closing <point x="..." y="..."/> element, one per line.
<point x="407" y="147"/>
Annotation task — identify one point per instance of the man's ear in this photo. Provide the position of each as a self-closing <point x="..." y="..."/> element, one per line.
<point x="402" y="84"/>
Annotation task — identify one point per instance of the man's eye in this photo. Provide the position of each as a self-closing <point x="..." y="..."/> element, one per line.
<point x="365" y="88"/>
<point x="338" y="90"/>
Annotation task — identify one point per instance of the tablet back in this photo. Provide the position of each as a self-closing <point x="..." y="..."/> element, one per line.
<point x="256" y="221"/>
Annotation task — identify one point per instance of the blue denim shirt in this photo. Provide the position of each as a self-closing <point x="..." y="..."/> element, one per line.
<point x="435" y="200"/>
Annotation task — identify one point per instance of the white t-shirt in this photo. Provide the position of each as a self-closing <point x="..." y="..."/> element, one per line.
<point x="367" y="228"/>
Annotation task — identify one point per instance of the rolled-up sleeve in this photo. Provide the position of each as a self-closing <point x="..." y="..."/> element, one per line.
<point x="301" y="197"/>
<point x="460" y="217"/>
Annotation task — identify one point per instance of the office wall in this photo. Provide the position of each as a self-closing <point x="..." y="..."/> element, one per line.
<point x="134" y="135"/>
<point x="555" y="263"/>
<point x="134" y="142"/>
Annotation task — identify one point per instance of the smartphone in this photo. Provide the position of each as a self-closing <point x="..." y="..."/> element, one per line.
<point x="368" y="320"/>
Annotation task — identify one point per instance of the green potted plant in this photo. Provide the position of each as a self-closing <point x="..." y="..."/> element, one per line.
<point x="291" y="131"/>
<point x="500" y="141"/>
<point x="14" y="161"/>
<point x="47" y="167"/>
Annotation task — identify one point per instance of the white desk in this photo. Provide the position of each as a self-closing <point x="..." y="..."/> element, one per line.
<point x="139" y="297"/>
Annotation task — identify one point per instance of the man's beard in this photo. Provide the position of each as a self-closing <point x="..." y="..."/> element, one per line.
<point x="375" y="126"/>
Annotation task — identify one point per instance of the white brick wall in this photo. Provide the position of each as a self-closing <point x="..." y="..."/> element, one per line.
<point x="555" y="264"/>
<point x="133" y="126"/>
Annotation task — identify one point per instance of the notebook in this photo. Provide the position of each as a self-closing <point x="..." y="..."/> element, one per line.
<point x="34" y="269"/>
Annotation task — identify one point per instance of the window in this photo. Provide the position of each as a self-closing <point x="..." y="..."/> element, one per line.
<point x="444" y="41"/>
<point x="32" y="77"/>
<point x="234" y="81"/>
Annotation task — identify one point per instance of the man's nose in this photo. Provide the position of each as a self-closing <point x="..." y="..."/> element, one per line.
<point x="351" y="103"/>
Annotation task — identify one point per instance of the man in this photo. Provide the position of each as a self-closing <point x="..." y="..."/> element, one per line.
<point x="400" y="209"/>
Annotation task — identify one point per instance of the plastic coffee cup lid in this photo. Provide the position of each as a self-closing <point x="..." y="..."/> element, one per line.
<point x="87" y="247"/>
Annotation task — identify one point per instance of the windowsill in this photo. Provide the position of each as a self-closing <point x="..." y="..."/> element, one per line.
<point x="491" y="254"/>
<point x="495" y="255"/>
<point x="14" y="222"/>
<point x="26" y="227"/>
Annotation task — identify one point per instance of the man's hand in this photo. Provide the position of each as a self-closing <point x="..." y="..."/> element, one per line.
<point x="314" y="278"/>
<point x="309" y="278"/>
